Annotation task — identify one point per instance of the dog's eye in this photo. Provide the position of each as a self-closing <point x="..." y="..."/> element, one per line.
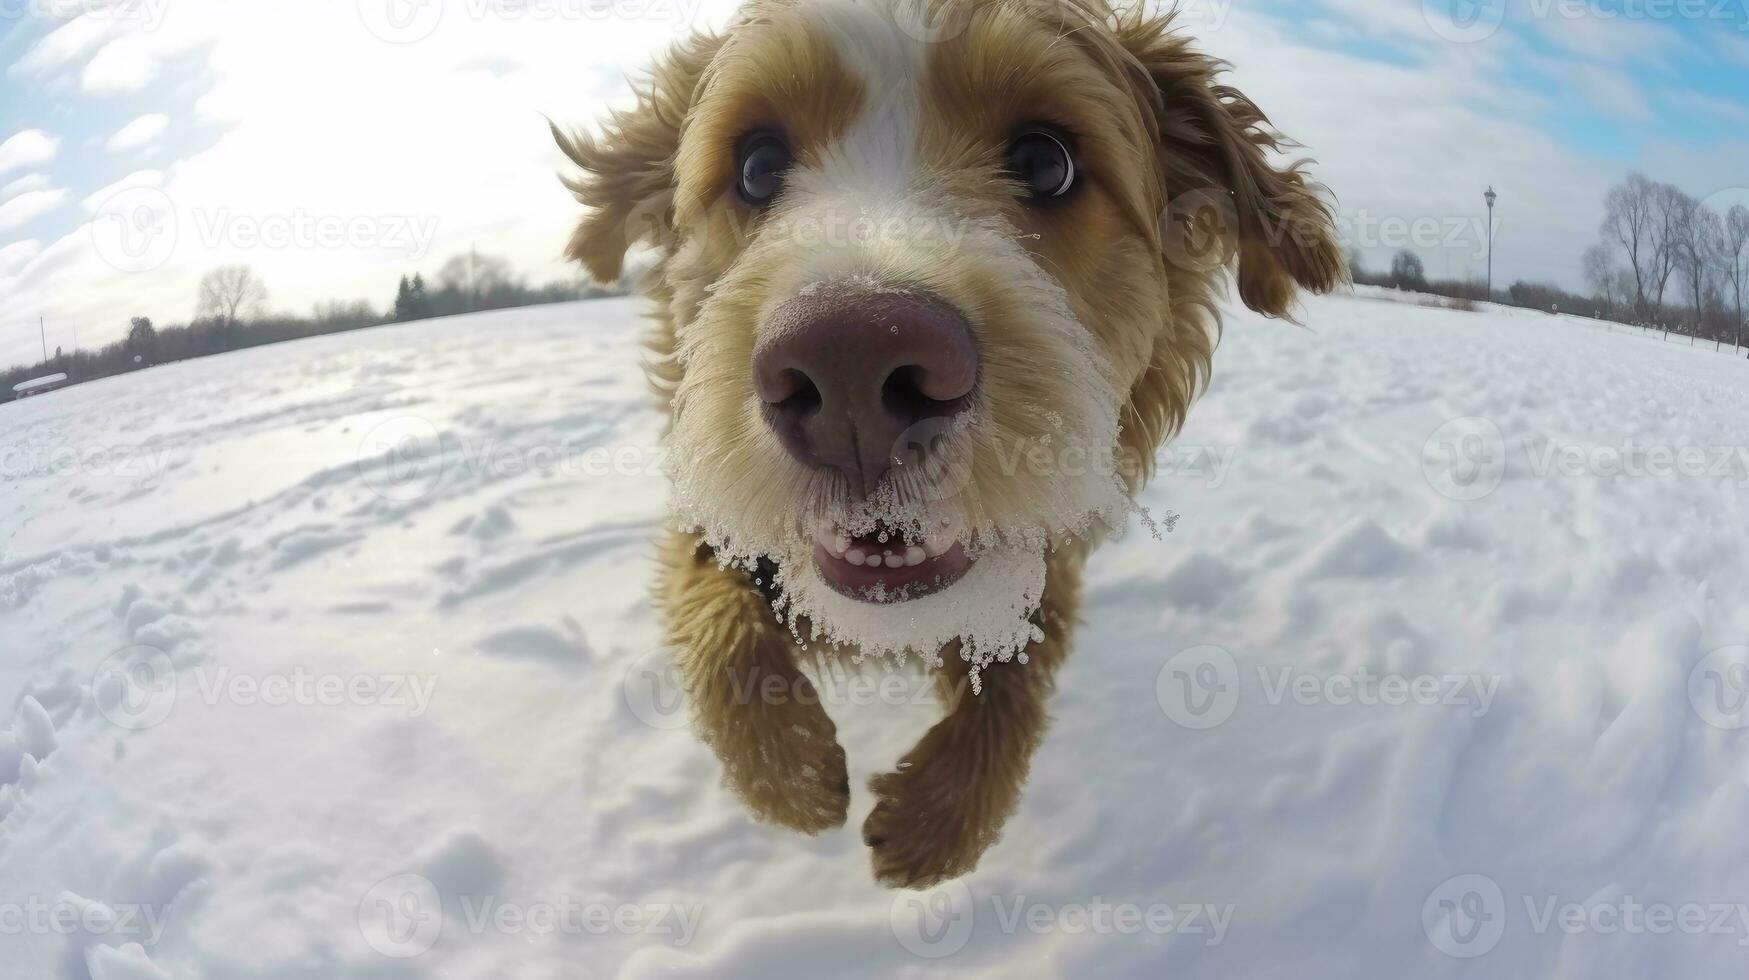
<point x="1043" y="163"/>
<point x="764" y="158"/>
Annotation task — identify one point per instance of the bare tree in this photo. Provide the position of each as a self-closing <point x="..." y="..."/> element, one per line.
<point x="1735" y="259"/>
<point x="1601" y="275"/>
<point x="1673" y="211"/>
<point x="1633" y="223"/>
<point x="1697" y="236"/>
<point x="229" y="293"/>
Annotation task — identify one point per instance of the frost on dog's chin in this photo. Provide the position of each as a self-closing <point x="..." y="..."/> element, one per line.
<point x="990" y="611"/>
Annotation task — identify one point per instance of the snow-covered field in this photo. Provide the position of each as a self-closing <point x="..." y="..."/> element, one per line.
<point x="1439" y="674"/>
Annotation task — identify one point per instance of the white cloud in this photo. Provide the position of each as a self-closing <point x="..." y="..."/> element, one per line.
<point x="1734" y="47"/>
<point x="139" y="178"/>
<point x="66" y="45"/>
<point x="29" y="182"/>
<point x="140" y="132"/>
<point x="31" y="148"/>
<point x="119" y="67"/>
<point x="13" y="257"/>
<point x="29" y="206"/>
<point x="1725" y="109"/>
<point x="1613" y="93"/>
<point x="1611" y="40"/>
<point x="1405" y="21"/>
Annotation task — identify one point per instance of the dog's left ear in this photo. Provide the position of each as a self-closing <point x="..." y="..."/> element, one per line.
<point x="627" y="172"/>
<point x="1215" y="141"/>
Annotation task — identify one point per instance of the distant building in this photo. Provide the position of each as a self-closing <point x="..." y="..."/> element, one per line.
<point x="36" y="386"/>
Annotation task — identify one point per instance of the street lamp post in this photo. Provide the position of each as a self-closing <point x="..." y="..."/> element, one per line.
<point x="1490" y="197"/>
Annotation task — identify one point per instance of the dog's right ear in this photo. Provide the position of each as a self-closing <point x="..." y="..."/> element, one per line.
<point x="1219" y="147"/>
<point x="627" y="172"/>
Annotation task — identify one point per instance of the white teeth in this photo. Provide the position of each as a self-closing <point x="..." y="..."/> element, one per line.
<point x="838" y="542"/>
<point x="827" y="536"/>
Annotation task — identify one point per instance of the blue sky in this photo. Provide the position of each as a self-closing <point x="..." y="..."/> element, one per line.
<point x="1686" y="70"/>
<point x="237" y="118"/>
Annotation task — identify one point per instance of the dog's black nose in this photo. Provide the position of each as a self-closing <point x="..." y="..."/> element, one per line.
<point x="844" y="373"/>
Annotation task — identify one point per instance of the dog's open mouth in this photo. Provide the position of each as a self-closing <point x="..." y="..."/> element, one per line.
<point x="882" y="566"/>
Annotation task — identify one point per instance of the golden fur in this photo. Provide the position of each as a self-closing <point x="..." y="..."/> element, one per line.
<point x="1154" y="127"/>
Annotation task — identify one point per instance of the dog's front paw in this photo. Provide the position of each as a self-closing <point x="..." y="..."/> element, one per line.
<point x="932" y="821"/>
<point x="784" y="762"/>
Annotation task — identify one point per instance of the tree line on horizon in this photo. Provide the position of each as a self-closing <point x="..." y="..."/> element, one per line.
<point x="231" y="314"/>
<point x="1663" y="261"/>
<point x="1655" y="236"/>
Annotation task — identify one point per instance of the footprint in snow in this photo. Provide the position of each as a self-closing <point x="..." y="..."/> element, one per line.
<point x="567" y="648"/>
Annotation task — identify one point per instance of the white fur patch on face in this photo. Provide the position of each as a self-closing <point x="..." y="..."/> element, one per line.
<point x="879" y="153"/>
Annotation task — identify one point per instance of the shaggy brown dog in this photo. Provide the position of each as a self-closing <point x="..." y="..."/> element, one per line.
<point x="871" y="214"/>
